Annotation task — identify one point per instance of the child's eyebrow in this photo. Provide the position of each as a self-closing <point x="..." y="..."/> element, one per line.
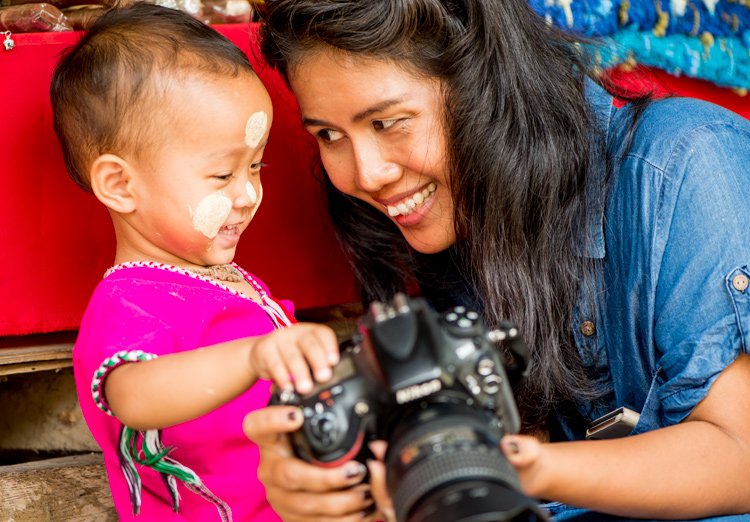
<point x="228" y="151"/>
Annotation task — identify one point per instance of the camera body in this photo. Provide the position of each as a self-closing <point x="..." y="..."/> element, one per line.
<point x="436" y="387"/>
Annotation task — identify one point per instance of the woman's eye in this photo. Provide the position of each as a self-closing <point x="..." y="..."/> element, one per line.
<point x="329" y="135"/>
<point x="383" y="124"/>
<point x="224" y="177"/>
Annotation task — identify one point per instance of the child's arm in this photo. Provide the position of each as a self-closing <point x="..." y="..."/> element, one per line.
<point x="179" y="387"/>
<point x="694" y="469"/>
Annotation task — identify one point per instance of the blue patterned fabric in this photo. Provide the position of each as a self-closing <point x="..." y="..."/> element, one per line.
<point x="707" y="39"/>
<point x="721" y="18"/>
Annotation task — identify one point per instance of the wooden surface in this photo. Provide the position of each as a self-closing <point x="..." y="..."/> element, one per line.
<point x="70" y="489"/>
<point x="33" y="353"/>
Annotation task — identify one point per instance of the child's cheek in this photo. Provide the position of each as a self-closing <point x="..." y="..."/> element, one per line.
<point x="211" y="214"/>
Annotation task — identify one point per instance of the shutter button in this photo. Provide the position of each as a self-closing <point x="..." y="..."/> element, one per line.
<point x="588" y="329"/>
<point x="740" y="282"/>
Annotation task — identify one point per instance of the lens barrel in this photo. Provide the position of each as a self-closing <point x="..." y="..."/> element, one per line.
<point x="444" y="465"/>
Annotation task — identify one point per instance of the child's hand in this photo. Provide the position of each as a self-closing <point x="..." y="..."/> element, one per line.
<point x="286" y="356"/>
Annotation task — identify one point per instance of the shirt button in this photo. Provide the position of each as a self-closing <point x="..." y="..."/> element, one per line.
<point x="588" y="328"/>
<point x="740" y="282"/>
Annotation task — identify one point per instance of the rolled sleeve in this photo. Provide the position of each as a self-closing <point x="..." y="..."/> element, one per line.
<point x="701" y="306"/>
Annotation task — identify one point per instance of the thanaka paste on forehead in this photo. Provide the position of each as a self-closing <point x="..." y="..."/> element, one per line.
<point x="251" y="193"/>
<point x="256" y="127"/>
<point x="211" y="213"/>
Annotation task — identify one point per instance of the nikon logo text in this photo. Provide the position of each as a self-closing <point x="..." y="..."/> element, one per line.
<point x="418" y="391"/>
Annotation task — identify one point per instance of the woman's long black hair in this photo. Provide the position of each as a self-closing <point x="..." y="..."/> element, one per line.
<point x="522" y="145"/>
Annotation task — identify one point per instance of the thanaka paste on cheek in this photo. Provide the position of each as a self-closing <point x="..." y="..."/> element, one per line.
<point x="256" y="127"/>
<point x="211" y="213"/>
<point x="257" y="202"/>
<point x="251" y="193"/>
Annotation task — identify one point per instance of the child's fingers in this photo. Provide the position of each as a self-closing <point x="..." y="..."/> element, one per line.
<point x="310" y="352"/>
<point x="321" y="351"/>
<point x="270" y="364"/>
<point x="295" y="363"/>
<point x="330" y="344"/>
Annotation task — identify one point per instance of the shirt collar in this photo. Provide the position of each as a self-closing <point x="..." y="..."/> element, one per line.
<point x="600" y="102"/>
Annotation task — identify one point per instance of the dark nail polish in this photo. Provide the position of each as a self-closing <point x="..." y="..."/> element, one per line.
<point x="292" y="415"/>
<point x="355" y="470"/>
<point x="367" y="494"/>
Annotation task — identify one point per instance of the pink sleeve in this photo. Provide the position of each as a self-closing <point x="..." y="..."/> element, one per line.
<point x="118" y="328"/>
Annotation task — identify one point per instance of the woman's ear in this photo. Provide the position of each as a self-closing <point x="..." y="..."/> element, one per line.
<point x="111" y="183"/>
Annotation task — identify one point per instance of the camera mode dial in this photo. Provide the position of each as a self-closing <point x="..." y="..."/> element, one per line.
<point x="461" y="322"/>
<point x="325" y="430"/>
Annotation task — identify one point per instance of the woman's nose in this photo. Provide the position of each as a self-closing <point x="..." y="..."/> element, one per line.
<point x="373" y="169"/>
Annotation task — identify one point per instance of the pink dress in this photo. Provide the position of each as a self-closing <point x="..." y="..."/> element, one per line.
<point x="143" y="310"/>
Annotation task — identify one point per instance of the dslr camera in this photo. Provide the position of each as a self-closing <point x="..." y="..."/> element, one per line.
<point x="436" y="388"/>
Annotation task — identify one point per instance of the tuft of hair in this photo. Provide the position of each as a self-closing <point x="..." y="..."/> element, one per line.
<point x="108" y="91"/>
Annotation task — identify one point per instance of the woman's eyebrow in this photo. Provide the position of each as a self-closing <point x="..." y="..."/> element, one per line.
<point x="383" y="105"/>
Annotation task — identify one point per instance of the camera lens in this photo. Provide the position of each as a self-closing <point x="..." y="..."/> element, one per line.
<point x="444" y="465"/>
<point x="473" y="501"/>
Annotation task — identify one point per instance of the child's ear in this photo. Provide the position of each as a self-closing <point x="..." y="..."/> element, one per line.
<point x="110" y="182"/>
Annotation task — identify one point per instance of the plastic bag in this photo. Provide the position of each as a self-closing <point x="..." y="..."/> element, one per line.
<point x="30" y="18"/>
<point x="227" y="11"/>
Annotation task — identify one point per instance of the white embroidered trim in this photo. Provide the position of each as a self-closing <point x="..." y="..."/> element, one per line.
<point x="109" y="364"/>
<point x="278" y="317"/>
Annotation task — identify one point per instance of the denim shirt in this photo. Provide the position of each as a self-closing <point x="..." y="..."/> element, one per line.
<point x="671" y="308"/>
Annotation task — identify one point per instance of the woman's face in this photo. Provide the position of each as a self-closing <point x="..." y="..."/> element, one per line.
<point x="382" y="140"/>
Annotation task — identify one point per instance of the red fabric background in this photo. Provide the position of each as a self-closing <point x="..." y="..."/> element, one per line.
<point x="56" y="240"/>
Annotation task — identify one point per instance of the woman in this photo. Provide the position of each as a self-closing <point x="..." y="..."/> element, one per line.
<point x="469" y="153"/>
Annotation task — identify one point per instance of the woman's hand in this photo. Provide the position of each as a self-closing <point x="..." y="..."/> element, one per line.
<point x="299" y="491"/>
<point x="525" y="453"/>
<point x="377" y="481"/>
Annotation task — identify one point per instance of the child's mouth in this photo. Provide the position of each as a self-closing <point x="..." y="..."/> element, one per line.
<point x="230" y="230"/>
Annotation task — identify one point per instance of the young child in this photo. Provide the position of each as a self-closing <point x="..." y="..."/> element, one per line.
<point x="164" y="120"/>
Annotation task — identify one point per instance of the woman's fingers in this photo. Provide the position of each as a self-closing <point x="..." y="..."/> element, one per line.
<point x="377" y="481"/>
<point x="269" y="427"/>
<point x="521" y="450"/>
<point x="292" y="474"/>
<point x="355" y="503"/>
<point x="297" y="490"/>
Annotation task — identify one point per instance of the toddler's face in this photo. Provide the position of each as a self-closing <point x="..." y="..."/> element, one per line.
<point x="202" y="188"/>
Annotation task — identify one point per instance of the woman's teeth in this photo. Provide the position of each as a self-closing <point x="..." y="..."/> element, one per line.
<point x="408" y="205"/>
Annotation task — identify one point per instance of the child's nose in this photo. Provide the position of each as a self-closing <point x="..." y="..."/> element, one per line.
<point x="247" y="196"/>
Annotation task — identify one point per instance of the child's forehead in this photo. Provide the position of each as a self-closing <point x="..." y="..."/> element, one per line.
<point x="207" y="111"/>
<point x="243" y="87"/>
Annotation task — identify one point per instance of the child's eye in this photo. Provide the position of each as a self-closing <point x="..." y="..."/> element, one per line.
<point x="384" y="124"/>
<point x="224" y="177"/>
<point x="257" y="166"/>
<point x="329" y="135"/>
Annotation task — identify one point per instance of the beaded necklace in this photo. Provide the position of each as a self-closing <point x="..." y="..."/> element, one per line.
<point x="229" y="273"/>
